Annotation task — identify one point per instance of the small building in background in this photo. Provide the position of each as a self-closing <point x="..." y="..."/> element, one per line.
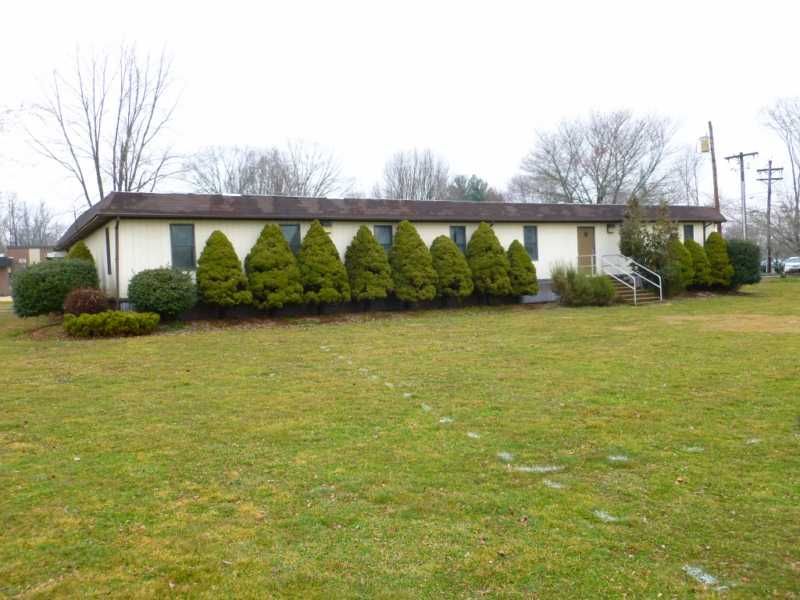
<point x="20" y="257"/>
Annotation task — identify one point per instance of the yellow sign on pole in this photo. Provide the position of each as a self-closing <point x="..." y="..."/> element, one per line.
<point x="705" y="144"/>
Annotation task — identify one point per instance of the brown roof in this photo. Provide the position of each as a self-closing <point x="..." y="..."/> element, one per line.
<point x="266" y="208"/>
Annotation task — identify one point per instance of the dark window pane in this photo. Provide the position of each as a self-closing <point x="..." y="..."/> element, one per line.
<point x="531" y="239"/>
<point x="108" y="252"/>
<point x="291" y="233"/>
<point x="458" y="233"/>
<point x="688" y="232"/>
<point x="383" y="233"/>
<point x="182" y="240"/>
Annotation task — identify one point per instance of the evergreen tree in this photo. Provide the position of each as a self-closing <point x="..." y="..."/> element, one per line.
<point x="322" y="273"/>
<point x="488" y="262"/>
<point x="454" y="279"/>
<point x="633" y="235"/>
<point x="412" y="266"/>
<point x="272" y="273"/>
<point x="522" y="271"/>
<point x="220" y="279"/>
<point x="657" y="239"/>
<point x="367" y="267"/>
<point x="746" y="260"/>
<point x="80" y="251"/>
<point x="702" y="270"/>
<point x="679" y="271"/>
<point x="719" y="261"/>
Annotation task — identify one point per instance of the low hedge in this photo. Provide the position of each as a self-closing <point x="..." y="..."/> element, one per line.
<point x="111" y="323"/>
<point x="579" y="289"/>
<point x="42" y="288"/>
<point x="168" y="292"/>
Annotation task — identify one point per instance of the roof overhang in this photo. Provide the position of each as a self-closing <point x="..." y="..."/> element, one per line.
<point x="134" y="205"/>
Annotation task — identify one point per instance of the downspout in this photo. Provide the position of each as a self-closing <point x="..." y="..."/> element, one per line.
<point x="116" y="259"/>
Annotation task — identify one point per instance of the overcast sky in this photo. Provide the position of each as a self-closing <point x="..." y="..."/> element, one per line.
<point x="471" y="80"/>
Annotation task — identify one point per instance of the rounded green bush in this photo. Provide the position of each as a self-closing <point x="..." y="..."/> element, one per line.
<point x="80" y="251"/>
<point x="168" y="292"/>
<point x="488" y="262"/>
<point x="322" y="273"/>
<point x="521" y="271"/>
<point x="412" y="266"/>
<point x="453" y="277"/>
<point x="220" y="279"/>
<point x="746" y="260"/>
<point x="367" y="267"/>
<point x="42" y="288"/>
<point x="272" y="273"/>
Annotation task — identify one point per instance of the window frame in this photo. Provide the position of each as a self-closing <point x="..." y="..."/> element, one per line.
<point x="174" y="227"/>
<point x="294" y="247"/>
<point x="383" y="227"/>
<point x="533" y="251"/>
<point x="690" y="227"/>
<point x="462" y="228"/>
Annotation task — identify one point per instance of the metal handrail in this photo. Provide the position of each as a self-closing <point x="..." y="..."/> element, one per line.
<point x="631" y="272"/>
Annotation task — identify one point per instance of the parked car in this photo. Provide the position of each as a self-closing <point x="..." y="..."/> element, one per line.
<point x="777" y="263"/>
<point x="791" y="265"/>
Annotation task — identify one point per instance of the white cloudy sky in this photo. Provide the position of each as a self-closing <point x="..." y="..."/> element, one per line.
<point x="471" y="80"/>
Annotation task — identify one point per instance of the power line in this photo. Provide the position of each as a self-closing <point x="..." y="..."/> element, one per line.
<point x="740" y="157"/>
<point x="769" y="179"/>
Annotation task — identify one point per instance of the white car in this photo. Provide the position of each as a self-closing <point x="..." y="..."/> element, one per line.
<point x="792" y="265"/>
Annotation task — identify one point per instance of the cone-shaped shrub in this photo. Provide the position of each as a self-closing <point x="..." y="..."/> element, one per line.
<point x="488" y="262"/>
<point x="80" y="251"/>
<point x="719" y="261"/>
<point x="322" y="273"/>
<point x="220" y="279"/>
<point x="454" y="279"/>
<point x="412" y="266"/>
<point x="367" y="267"/>
<point x="272" y="273"/>
<point x="522" y="271"/>
<point x="679" y="272"/>
<point x="702" y="270"/>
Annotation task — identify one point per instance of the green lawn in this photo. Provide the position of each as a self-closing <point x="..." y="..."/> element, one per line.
<point x="359" y="458"/>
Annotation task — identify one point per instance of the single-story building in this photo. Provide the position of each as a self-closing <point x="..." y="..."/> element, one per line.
<point x="128" y="232"/>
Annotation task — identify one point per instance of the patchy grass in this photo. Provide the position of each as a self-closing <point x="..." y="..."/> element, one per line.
<point x="262" y="461"/>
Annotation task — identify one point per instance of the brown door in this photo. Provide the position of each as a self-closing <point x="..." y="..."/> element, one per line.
<point x="586" y="258"/>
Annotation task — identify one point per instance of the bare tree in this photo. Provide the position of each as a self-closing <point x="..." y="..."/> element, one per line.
<point x="300" y="169"/>
<point x="414" y="175"/>
<point x="607" y="158"/>
<point x="682" y="182"/>
<point x="104" y="123"/>
<point x="783" y="117"/>
<point x="26" y="225"/>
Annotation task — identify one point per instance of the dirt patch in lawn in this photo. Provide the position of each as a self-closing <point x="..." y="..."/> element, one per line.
<point x="739" y="323"/>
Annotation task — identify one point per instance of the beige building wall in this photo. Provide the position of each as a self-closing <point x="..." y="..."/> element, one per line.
<point x="145" y="243"/>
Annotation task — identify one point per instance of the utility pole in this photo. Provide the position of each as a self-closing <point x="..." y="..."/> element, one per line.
<point x="714" y="171"/>
<point x="740" y="157"/>
<point x="769" y="179"/>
